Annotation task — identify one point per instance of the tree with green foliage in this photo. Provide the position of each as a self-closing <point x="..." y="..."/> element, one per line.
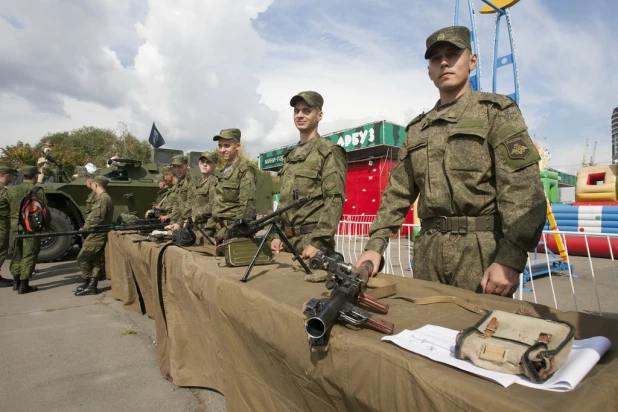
<point x="73" y="148"/>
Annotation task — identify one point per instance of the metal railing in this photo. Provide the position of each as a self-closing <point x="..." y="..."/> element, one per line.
<point x="582" y="281"/>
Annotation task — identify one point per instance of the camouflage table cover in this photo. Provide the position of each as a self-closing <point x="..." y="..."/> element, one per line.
<point x="247" y="341"/>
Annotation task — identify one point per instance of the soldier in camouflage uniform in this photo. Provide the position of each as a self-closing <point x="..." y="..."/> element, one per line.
<point x="90" y="257"/>
<point x="182" y="192"/>
<point x="7" y="175"/>
<point x="234" y="196"/>
<point x="25" y="251"/>
<point x="475" y="168"/>
<point x="91" y="196"/>
<point x="167" y="180"/>
<point x="200" y="207"/>
<point x="44" y="164"/>
<point x="315" y="167"/>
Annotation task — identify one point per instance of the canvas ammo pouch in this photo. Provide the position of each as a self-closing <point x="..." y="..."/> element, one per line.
<point x="516" y="344"/>
<point x="240" y="252"/>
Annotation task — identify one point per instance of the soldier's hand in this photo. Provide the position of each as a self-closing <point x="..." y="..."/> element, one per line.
<point x="371" y="256"/>
<point x="164" y="218"/>
<point x="174" y="228"/>
<point x="500" y="280"/>
<point x="276" y="245"/>
<point x="147" y="213"/>
<point x="309" y="252"/>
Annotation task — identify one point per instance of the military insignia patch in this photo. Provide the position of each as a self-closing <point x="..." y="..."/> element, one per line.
<point x="440" y="36"/>
<point x="329" y="184"/>
<point x="517" y="148"/>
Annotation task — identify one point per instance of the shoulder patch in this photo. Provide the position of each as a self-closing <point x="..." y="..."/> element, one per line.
<point x="518" y="152"/>
<point x="517" y="148"/>
<point x="415" y="120"/>
<point x="499" y="100"/>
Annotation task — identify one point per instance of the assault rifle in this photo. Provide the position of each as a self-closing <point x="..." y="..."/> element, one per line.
<point x="95" y="229"/>
<point x="347" y="287"/>
<point x="248" y="228"/>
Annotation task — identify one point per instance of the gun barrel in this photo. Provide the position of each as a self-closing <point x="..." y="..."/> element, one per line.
<point x="318" y="325"/>
<point x="279" y="211"/>
<point x="96" y="229"/>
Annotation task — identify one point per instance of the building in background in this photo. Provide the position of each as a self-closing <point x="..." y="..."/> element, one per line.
<point x="615" y="135"/>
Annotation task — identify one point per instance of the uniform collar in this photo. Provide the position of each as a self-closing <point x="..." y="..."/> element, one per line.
<point x="454" y="110"/>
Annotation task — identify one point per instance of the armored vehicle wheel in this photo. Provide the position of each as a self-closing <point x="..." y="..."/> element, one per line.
<point x="55" y="248"/>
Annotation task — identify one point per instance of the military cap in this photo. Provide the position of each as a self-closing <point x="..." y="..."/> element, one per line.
<point x="167" y="170"/>
<point x="4" y="170"/>
<point x="228" y="134"/>
<point x="212" y="157"/>
<point x="101" y="181"/>
<point x="313" y="99"/>
<point x="179" y="160"/>
<point x="29" y="171"/>
<point x="458" y="36"/>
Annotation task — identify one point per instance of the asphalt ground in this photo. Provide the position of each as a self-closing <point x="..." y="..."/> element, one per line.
<point x="66" y="353"/>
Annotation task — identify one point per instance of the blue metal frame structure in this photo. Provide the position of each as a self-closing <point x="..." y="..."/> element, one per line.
<point x="475" y="76"/>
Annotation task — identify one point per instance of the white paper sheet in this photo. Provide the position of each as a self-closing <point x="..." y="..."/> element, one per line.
<point x="438" y="343"/>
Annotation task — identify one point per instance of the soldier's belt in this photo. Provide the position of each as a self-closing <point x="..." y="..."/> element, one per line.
<point x="292" y="231"/>
<point x="461" y="224"/>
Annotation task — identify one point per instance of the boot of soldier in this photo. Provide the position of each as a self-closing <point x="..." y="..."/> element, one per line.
<point x="91" y="289"/>
<point x="24" y="287"/>
<point x="16" y="283"/>
<point x="83" y="285"/>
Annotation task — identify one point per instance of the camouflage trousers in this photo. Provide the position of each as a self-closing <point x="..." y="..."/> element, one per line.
<point x="5" y="232"/>
<point x="25" y="253"/>
<point x="90" y="259"/>
<point x="456" y="260"/>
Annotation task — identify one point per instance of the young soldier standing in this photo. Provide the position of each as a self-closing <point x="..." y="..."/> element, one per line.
<point x="90" y="257"/>
<point x="475" y="168"/>
<point x="235" y="192"/>
<point x="315" y="167"/>
<point x="45" y="170"/>
<point x="201" y="202"/>
<point x="183" y="190"/>
<point x="7" y="175"/>
<point x="25" y="251"/>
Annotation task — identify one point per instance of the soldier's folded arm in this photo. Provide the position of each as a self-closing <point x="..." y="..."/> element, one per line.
<point x="400" y="193"/>
<point x="520" y="196"/>
<point x="94" y="217"/>
<point x="333" y="191"/>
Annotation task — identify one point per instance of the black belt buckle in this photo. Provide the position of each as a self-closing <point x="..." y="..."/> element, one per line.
<point x="442" y="224"/>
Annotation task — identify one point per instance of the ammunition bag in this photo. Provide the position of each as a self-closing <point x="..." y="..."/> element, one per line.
<point x="240" y="252"/>
<point x="516" y="344"/>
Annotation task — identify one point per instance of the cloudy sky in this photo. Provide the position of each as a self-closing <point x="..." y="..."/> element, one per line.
<point x="197" y="66"/>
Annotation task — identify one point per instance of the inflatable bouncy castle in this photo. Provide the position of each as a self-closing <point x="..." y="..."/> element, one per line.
<point x="596" y="185"/>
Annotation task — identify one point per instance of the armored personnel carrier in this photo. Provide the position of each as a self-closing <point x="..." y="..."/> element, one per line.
<point x="133" y="187"/>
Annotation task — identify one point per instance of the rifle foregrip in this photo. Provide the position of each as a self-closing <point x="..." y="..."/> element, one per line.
<point x="373" y="303"/>
<point x="381" y="325"/>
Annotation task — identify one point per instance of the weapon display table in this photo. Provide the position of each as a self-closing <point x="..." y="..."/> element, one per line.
<point x="247" y="340"/>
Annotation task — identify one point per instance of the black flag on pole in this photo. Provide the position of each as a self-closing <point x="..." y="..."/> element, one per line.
<point x="155" y="139"/>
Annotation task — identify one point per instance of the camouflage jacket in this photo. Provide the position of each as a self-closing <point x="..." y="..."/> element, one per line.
<point x="317" y="168"/>
<point x="89" y="201"/>
<point x="181" y="195"/>
<point x="201" y="206"/>
<point x="161" y="195"/>
<point x="473" y="158"/>
<point x="5" y="210"/>
<point x="101" y="213"/>
<point x="234" y="196"/>
<point x="15" y="195"/>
